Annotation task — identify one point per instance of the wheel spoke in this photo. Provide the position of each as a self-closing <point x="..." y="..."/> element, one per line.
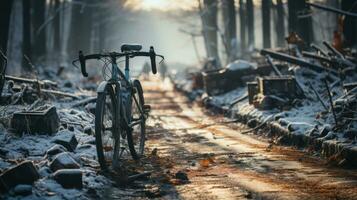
<point x="107" y="143"/>
<point x="137" y="135"/>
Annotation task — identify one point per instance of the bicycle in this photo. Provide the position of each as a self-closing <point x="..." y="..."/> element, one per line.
<point x="120" y="111"/>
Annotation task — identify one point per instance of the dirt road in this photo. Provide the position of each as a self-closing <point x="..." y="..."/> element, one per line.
<point x="222" y="163"/>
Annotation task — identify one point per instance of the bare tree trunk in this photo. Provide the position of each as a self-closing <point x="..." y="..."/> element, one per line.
<point x="266" y="5"/>
<point x="38" y="36"/>
<point x="242" y="16"/>
<point x="230" y="28"/>
<point x="15" y="39"/>
<point x="26" y="45"/>
<point x="5" y="12"/>
<point x="65" y="25"/>
<point x="56" y="27"/>
<point x="302" y="26"/>
<point x="102" y="31"/>
<point x="250" y="23"/>
<point x="349" y="24"/>
<point x="81" y="25"/>
<point x="49" y="31"/>
<point x="209" y="22"/>
<point x="99" y="27"/>
<point x="280" y="24"/>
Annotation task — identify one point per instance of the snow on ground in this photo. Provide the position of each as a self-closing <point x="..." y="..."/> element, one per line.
<point x="307" y="117"/>
<point x="15" y="148"/>
<point x="227" y="98"/>
<point x="34" y="147"/>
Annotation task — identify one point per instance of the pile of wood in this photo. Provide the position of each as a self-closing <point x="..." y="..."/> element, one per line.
<point x="235" y="74"/>
<point x="345" y="108"/>
<point x="272" y="92"/>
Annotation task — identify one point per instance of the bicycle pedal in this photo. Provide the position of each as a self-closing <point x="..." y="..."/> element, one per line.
<point x="146" y="108"/>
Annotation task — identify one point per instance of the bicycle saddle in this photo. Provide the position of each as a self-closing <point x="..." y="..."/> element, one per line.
<point x="130" y="47"/>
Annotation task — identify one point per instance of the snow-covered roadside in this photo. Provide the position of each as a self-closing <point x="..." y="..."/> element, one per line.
<point x="306" y="122"/>
<point x="16" y="149"/>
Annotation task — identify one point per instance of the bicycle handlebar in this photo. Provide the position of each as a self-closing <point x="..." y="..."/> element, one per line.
<point x="114" y="55"/>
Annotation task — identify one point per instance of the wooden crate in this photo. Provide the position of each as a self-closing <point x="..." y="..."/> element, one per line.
<point x="41" y="122"/>
<point x="280" y="86"/>
<point x="220" y="81"/>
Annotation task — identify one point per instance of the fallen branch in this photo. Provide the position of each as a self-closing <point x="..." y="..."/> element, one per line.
<point x="33" y="105"/>
<point x="30" y="81"/>
<point x="84" y="102"/>
<point x="331" y="102"/>
<point x="270" y="62"/>
<point x="332" y="49"/>
<point x="259" y="126"/>
<point x="318" y="49"/>
<point x="295" y="60"/>
<point x="338" y="11"/>
<point x="278" y="73"/>
<point x="318" y="96"/>
<point x="59" y="93"/>
<point x="238" y="100"/>
<point x="20" y="95"/>
<point x="138" y="176"/>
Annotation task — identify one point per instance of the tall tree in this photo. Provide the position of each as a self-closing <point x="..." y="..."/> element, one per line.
<point x="5" y="12"/>
<point x="230" y="28"/>
<point x="266" y="5"/>
<point x="349" y="24"/>
<point x="38" y="35"/>
<point x="243" y="24"/>
<point x="65" y="25"/>
<point x="26" y="44"/>
<point x="56" y="26"/>
<point x="250" y="22"/>
<point x="209" y="22"/>
<point x="81" y="25"/>
<point x="280" y="23"/>
<point x="301" y="25"/>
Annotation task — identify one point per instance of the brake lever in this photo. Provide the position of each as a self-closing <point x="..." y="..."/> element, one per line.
<point x="162" y="58"/>
<point x="74" y="63"/>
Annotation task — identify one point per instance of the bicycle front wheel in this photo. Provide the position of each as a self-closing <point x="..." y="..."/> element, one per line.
<point x="106" y="131"/>
<point x="136" y="137"/>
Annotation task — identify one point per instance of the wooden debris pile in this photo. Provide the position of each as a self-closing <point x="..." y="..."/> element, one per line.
<point x="272" y="92"/>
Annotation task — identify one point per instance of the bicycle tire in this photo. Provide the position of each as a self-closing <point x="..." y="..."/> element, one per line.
<point x="136" y="144"/>
<point x="105" y="99"/>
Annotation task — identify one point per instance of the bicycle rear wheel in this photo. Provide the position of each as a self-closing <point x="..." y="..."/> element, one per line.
<point x="106" y="130"/>
<point x="136" y="137"/>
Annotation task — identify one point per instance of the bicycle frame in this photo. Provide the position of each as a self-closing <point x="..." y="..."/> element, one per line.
<point x="125" y="92"/>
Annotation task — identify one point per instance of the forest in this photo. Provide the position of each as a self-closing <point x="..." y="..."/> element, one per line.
<point x="178" y="99"/>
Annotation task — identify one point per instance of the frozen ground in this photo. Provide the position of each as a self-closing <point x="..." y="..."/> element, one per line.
<point x="307" y="116"/>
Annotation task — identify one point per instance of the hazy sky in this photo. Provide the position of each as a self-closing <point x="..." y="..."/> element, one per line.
<point x="164" y="5"/>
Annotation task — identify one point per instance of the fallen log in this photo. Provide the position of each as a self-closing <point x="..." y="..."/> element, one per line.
<point x="30" y="81"/>
<point x="294" y="60"/>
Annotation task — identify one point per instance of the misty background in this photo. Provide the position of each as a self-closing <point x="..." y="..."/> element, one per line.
<point x="60" y="28"/>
